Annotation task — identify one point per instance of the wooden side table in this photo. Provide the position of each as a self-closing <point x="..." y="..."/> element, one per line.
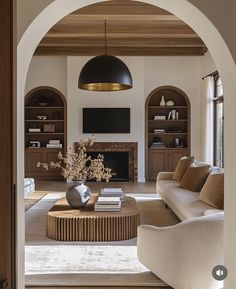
<point x="67" y="224"/>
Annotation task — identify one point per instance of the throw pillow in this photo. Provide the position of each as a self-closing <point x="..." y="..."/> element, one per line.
<point x="212" y="192"/>
<point x="195" y="177"/>
<point x="182" y="166"/>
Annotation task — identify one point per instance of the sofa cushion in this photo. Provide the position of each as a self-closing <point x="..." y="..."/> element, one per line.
<point x="182" y="166"/>
<point x="212" y="192"/>
<point x="195" y="177"/>
<point x="184" y="203"/>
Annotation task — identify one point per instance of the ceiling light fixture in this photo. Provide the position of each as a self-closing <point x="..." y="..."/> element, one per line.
<point x="105" y="73"/>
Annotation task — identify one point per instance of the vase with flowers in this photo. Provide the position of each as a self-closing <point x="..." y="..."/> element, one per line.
<point x="77" y="167"/>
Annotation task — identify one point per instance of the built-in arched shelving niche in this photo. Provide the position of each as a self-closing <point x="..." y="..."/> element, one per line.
<point x="167" y="129"/>
<point x="45" y="121"/>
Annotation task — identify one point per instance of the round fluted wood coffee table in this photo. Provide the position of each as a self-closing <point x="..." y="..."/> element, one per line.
<point x="67" y="224"/>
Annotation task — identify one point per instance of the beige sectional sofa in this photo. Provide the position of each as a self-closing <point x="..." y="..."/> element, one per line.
<point x="184" y="203"/>
<point x="184" y="255"/>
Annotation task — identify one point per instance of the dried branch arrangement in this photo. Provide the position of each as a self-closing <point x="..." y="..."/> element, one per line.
<point x="79" y="166"/>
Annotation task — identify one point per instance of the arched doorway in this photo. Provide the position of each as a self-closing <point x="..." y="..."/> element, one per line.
<point x="197" y="21"/>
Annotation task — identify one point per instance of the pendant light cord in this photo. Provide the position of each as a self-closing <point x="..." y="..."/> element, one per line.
<point x="105" y="40"/>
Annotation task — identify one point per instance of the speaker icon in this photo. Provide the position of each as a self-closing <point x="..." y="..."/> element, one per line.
<point x="219" y="272"/>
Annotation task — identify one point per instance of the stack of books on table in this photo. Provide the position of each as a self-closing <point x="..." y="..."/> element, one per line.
<point x="112" y="192"/>
<point x="107" y="204"/>
<point x="54" y="143"/>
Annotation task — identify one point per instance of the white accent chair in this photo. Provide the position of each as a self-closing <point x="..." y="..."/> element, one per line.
<point x="184" y="255"/>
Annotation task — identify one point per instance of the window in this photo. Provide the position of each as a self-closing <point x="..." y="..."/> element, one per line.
<point x="218" y="101"/>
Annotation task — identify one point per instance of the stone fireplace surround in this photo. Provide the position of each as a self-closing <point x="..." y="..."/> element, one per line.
<point x="130" y="147"/>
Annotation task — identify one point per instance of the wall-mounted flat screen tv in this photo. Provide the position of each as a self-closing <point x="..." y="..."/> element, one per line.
<point x="106" y="120"/>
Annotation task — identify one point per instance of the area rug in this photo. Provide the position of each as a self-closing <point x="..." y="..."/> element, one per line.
<point x="53" y="263"/>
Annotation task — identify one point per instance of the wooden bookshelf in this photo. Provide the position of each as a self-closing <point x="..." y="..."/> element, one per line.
<point x="49" y="102"/>
<point x="166" y="157"/>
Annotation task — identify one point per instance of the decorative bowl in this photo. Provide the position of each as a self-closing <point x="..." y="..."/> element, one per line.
<point x="41" y="117"/>
<point x="43" y="103"/>
<point x="170" y="103"/>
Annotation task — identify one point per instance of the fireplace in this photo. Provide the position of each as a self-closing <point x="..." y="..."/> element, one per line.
<point x="121" y="157"/>
<point x="118" y="162"/>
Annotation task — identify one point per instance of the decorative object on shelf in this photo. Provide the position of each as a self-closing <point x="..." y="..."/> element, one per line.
<point x="170" y="103"/>
<point x="77" y="166"/>
<point x="173" y="114"/>
<point x="105" y="73"/>
<point x="43" y="100"/>
<point x="162" y="102"/>
<point x="49" y="127"/>
<point x="78" y="194"/>
<point x="41" y="117"/>
<point x="34" y="144"/>
<point x="177" y="143"/>
<point x="42" y="103"/>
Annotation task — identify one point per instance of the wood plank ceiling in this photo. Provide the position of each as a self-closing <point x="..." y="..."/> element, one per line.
<point x="133" y="29"/>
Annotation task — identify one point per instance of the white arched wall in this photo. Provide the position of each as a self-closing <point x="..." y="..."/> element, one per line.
<point x="224" y="62"/>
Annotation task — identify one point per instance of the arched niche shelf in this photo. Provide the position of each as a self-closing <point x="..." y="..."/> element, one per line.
<point x="167" y="130"/>
<point x="45" y="130"/>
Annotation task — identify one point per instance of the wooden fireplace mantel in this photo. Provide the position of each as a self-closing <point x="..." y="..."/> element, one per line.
<point x="130" y="147"/>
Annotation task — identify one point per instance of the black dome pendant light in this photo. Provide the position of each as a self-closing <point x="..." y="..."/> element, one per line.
<point x="105" y="73"/>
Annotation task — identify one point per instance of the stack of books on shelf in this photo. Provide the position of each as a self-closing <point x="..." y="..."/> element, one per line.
<point x="159" y="130"/>
<point x="112" y="192"/>
<point x="159" y="117"/>
<point x="34" y="129"/>
<point x="158" y="144"/>
<point x="108" y="204"/>
<point x="54" y="143"/>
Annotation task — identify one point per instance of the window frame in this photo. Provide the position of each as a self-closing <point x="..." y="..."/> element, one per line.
<point x="216" y="100"/>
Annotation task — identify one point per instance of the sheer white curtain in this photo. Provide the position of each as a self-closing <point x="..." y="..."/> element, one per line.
<point x="207" y="119"/>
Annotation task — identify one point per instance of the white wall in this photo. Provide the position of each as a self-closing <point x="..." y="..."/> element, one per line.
<point x="47" y="71"/>
<point x="208" y="64"/>
<point x="148" y="73"/>
<point x="133" y="98"/>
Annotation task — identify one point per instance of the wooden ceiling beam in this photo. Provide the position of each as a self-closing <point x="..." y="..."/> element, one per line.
<point x="119" y="42"/>
<point x="51" y="35"/>
<point x="133" y="28"/>
<point x="117" y="17"/>
<point x="120" y="51"/>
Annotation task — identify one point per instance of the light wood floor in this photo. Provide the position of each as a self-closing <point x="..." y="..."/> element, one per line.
<point x="99" y="287"/>
<point x="128" y="187"/>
